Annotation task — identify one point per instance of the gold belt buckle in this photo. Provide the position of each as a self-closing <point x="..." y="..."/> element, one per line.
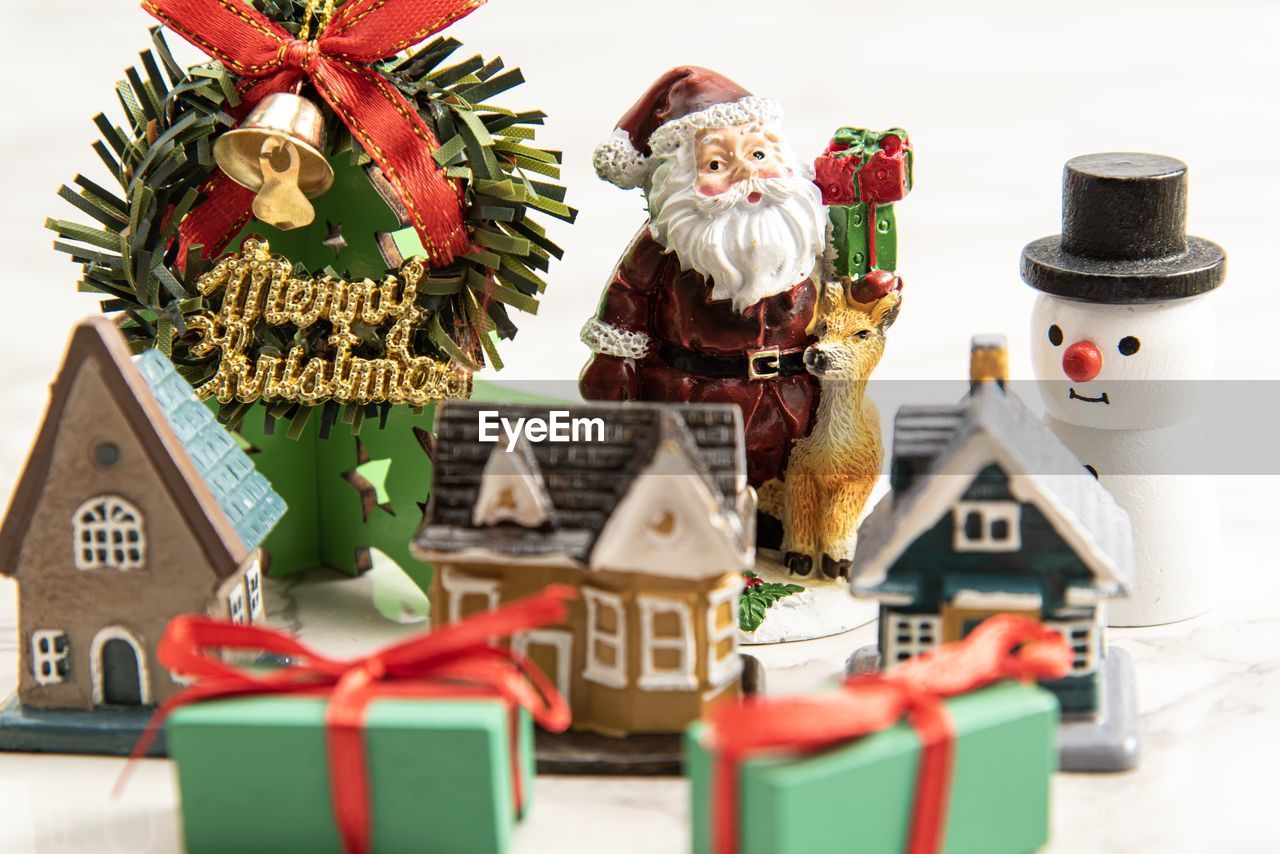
<point x="772" y="359"/>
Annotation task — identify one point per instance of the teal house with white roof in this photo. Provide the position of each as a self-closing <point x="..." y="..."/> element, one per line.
<point x="990" y="513"/>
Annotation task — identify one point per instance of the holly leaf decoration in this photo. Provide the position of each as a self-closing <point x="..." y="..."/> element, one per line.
<point x="758" y="596"/>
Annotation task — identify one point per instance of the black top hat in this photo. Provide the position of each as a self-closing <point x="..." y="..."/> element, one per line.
<point x="1124" y="235"/>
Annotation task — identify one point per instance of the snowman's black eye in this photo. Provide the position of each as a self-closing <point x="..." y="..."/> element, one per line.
<point x="1055" y="335"/>
<point x="1129" y="345"/>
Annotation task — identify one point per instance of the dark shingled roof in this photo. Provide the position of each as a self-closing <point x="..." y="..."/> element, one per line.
<point x="919" y="434"/>
<point x="584" y="480"/>
<point x="932" y="436"/>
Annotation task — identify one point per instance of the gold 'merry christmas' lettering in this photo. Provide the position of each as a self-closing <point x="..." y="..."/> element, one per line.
<point x="259" y="287"/>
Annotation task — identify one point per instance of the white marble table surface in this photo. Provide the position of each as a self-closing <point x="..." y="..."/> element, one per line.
<point x="1209" y="692"/>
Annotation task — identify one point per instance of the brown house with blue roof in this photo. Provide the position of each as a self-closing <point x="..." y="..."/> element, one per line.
<point x="135" y="505"/>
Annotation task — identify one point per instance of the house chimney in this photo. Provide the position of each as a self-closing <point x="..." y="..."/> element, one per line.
<point x="988" y="360"/>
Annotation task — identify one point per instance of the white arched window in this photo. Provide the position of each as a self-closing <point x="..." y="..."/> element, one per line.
<point x="109" y="534"/>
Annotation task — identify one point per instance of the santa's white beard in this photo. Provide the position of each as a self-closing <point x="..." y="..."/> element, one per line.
<point x="748" y="251"/>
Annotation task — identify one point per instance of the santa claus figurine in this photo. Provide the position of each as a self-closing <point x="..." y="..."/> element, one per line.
<point x="712" y="299"/>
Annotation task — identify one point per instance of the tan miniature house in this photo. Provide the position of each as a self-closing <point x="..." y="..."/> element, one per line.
<point x="645" y="508"/>
<point x="135" y="506"/>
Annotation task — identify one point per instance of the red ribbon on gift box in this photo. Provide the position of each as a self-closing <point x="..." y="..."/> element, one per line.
<point x="337" y="63"/>
<point x="457" y="661"/>
<point x="1006" y="646"/>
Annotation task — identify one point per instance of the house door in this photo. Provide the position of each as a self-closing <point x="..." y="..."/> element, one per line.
<point x="552" y="652"/>
<point x="958" y="621"/>
<point x="121" y="674"/>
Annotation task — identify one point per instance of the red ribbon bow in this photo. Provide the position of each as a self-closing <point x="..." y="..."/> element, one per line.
<point x="454" y="661"/>
<point x="336" y="62"/>
<point x="1003" y="647"/>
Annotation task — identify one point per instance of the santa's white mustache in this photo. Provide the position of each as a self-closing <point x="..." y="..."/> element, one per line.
<point x="771" y="190"/>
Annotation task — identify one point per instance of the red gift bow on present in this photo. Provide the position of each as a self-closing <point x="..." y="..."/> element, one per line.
<point x="1006" y="646"/>
<point x="455" y="661"/>
<point x="336" y="63"/>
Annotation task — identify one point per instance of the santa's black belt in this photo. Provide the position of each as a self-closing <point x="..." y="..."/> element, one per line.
<point x="761" y="364"/>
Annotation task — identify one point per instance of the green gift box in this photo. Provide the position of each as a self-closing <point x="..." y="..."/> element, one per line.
<point x="859" y="798"/>
<point x="254" y="775"/>
<point x="851" y="234"/>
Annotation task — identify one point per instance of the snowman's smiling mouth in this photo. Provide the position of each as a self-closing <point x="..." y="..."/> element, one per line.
<point x="1103" y="399"/>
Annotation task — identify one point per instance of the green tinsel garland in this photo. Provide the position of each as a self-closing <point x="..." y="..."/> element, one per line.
<point x="165" y="155"/>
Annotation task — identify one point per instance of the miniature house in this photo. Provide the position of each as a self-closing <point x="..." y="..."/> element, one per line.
<point x="990" y="513"/>
<point x="645" y="508"/>
<point x="135" y="506"/>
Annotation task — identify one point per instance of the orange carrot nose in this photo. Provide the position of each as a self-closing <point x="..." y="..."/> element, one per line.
<point x="1082" y="361"/>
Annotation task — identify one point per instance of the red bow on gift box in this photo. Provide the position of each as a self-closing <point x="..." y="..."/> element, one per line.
<point x="455" y="661"/>
<point x="1003" y="647"/>
<point x="336" y="62"/>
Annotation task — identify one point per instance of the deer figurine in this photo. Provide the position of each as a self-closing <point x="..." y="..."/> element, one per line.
<point x="833" y="470"/>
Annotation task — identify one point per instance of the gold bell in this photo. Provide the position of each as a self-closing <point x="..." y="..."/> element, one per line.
<point x="278" y="153"/>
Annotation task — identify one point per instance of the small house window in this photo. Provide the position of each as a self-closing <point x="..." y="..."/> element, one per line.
<point x="606" y="638"/>
<point x="723" y="664"/>
<point x="664" y="527"/>
<point x="468" y="594"/>
<point x="49" y="657"/>
<point x="667" y="657"/>
<point x="106" y="455"/>
<point x="236" y="605"/>
<point x="909" y="635"/>
<point x="108" y="534"/>
<point x="987" y="526"/>
<point x="253" y="583"/>
<point x="1084" y="637"/>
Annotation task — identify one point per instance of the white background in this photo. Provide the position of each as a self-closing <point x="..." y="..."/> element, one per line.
<point x="996" y="97"/>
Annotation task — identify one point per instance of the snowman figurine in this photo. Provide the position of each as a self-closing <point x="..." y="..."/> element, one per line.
<point x="1122" y="340"/>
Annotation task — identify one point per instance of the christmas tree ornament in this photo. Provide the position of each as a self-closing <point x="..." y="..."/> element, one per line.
<point x="135" y="506"/>
<point x="1124" y="339"/>
<point x="433" y="181"/>
<point x="990" y="513"/>
<point x="336" y="61"/>
<point x="278" y="153"/>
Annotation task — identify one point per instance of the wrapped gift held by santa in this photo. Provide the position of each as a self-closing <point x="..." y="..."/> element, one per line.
<point x="861" y="174"/>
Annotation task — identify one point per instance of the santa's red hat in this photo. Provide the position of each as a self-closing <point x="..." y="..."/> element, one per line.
<point x="682" y="101"/>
